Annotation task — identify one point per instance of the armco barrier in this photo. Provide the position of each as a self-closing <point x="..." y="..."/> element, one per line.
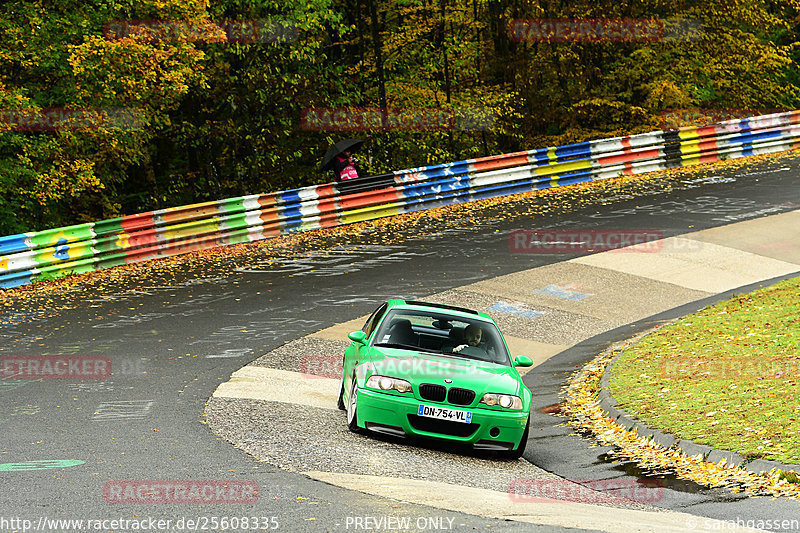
<point x="29" y="257"/>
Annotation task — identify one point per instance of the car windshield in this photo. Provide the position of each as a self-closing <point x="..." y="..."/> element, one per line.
<point x="440" y="332"/>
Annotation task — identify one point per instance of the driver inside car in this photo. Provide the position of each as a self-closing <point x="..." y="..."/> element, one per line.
<point x="473" y="346"/>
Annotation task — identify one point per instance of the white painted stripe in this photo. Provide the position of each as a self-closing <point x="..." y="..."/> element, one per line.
<point x="270" y="384"/>
<point x="494" y="177"/>
<point x="253" y="218"/>
<point x="603" y="146"/>
<point x="22" y="260"/>
<point x="310" y="223"/>
<point x="309" y="209"/>
<point x="692" y="264"/>
<point x="640" y="167"/>
<point x="308" y="194"/>
<point x="250" y="203"/>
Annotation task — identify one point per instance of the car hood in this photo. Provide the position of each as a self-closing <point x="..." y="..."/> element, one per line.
<point x="421" y="367"/>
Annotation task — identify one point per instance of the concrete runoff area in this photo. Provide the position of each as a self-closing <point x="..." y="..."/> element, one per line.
<point x="615" y="288"/>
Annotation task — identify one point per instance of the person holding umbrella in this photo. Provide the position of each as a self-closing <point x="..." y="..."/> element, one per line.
<point x="340" y="159"/>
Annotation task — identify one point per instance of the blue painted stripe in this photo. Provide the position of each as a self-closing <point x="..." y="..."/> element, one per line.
<point x="502" y="189"/>
<point x="289" y="197"/>
<point x="291" y="215"/>
<point x="572" y="177"/>
<point x="456" y="167"/>
<point x="564" y="293"/>
<point x="432" y="203"/>
<point x="16" y="279"/>
<point x="13" y="244"/>
<point x="427" y="188"/>
<point x="540" y="156"/>
<point x="416" y="203"/>
<point x="754" y="137"/>
<point x="510" y="309"/>
<point x="574" y="151"/>
<point x="440" y="171"/>
<point x="575" y="179"/>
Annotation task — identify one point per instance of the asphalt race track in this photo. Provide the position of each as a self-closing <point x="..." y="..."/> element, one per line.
<point x="170" y="346"/>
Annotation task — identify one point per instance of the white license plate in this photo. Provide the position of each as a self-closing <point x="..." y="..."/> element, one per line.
<point x="443" y="413"/>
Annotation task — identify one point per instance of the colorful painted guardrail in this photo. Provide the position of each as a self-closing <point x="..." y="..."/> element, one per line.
<point x="29" y="257"/>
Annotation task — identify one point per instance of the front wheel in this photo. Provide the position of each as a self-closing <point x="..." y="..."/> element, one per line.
<point x="523" y="442"/>
<point x="352" y="418"/>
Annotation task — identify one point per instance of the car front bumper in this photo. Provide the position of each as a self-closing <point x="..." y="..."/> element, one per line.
<point x="490" y="429"/>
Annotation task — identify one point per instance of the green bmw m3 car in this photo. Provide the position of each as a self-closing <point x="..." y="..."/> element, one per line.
<point x="436" y="371"/>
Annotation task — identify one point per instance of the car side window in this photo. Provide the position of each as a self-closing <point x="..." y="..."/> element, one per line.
<point x="372" y="321"/>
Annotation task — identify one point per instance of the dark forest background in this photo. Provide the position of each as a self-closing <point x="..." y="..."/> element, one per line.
<point x="218" y="112"/>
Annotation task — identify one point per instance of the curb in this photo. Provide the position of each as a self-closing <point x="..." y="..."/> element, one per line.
<point x="710" y="454"/>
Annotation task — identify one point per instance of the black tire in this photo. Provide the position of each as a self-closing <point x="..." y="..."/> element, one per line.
<point x="352" y="417"/>
<point x="523" y="442"/>
<point x="340" y="401"/>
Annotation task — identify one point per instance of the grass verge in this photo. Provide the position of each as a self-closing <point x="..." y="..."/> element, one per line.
<point x="726" y="376"/>
<point x="581" y="406"/>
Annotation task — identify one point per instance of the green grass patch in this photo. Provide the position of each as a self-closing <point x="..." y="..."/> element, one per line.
<point x="726" y="376"/>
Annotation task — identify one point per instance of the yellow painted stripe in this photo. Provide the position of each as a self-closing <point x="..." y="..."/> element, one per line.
<point x="689" y="147"/>
<point x="190" y="229"/>
<point x="369" y="213"/>
<point x="688" y="134"/>
<point x="567" y="166"/>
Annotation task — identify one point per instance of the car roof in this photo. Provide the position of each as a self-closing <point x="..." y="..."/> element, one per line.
<point x="427" y="306"/>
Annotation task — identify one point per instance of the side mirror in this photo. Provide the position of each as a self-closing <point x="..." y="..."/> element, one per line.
<point x="358" y="336"/>
<point x="522" y="360"/>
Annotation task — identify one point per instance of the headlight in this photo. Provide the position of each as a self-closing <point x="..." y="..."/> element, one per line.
<point x="506" y="401"/>
<point x="387" y="383"/>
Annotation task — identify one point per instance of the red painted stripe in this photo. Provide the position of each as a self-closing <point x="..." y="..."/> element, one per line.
<point x="364" y="199"/>
<point x="328" y="212"/>
<point x="707" y="131"/>
<point x="139" y="221"/>
<point x="185" y="214"/>
<point x="501" y="156"/>
<point x="326" y="191"/>
<point x="142" y="238"/>
<point x="628" y="156"/>
<point x="329" y="220"/>
<point x="705" y="146"/>
<point x="491" y="163"/>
